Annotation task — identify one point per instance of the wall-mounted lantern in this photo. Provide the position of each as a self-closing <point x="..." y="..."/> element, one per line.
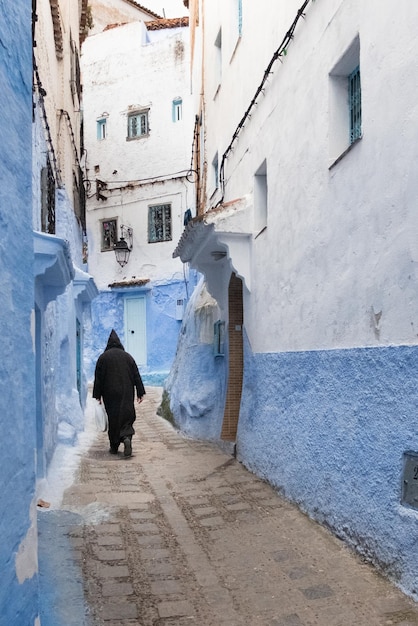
<point x="123" y="247"/>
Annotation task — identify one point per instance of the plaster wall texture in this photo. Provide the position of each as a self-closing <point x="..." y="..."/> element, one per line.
<point x="162" y="158"/>
<point x="58" y="79"/>
<point x="329" y="402"/>
<point x="327" y="228"/>
<point x="329" y="429"/>
<point x="18" y="561"/>
<point x="127" y="69"/>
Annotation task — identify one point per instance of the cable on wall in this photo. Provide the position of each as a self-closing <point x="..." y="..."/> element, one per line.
<point x="51" y="150"/>
<point x="280" y="52"/>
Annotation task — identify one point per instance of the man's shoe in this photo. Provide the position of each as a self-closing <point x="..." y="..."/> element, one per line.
<point x="113" y="450"/>
<point x="128" y="447"/>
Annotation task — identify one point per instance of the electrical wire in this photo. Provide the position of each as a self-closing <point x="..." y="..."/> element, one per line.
<point x="131" y="184"/>
<point x="41" y="93"/>
<point x="280" y="52"/>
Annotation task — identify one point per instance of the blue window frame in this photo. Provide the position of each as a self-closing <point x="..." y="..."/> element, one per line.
<point x="177" y="109"/>
<point x="101" y="129"/>
<point x="354" y="95"/>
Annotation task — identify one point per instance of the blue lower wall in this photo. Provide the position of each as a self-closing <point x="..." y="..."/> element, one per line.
<point x="18" y="567"/>
<point x="329" y="429"/>
<point x="197" y="387"/>
<point x="162" y="327"/>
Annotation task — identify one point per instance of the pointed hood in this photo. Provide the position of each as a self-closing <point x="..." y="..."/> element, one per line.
<point x="114" y="341"/>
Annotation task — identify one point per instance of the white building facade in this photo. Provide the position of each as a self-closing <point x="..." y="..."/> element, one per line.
<point x="307" y="236"/>
<point x="138" y="123"/>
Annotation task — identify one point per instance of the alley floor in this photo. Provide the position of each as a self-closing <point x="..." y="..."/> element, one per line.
<point x="181" y="533"/>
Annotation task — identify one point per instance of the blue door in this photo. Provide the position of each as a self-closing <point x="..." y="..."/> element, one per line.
<point x="135" y="329"/>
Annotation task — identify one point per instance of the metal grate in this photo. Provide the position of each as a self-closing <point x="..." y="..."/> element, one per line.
<point x="159" y="223"/>
<point x="138" y="125"/>
<point x="47" y="199"/>
<point x="354" y="94"/>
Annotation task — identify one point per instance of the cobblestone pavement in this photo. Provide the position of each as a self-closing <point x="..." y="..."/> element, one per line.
<point x="181" y="533"/>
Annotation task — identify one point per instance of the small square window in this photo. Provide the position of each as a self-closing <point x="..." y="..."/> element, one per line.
<point x="345" y="106"/>
<point x="138" y="124"/>
<point x="101" y="129"/>
<point x="108" y="234"/>
<point x="177" y="109"/>
<point x="159" y="223"/>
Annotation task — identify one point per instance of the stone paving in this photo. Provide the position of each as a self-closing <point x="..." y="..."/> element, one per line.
<point x="181" y="533"/>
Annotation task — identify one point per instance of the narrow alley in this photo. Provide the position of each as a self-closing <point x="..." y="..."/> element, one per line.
<point x="181" y="533"/>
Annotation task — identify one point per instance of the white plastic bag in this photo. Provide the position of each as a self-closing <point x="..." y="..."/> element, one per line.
<point x="101" y="417"/>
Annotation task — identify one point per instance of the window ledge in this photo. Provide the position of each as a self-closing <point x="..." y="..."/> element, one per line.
<point x="139" y="137"/>
<point x="346" y="151"/>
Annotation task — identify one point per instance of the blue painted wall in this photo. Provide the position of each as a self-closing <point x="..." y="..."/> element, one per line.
<point x="162" y="327"/>
<point x="197" y="381"/>
<point x="18" y="588"/>
<point x="329" y="429"/>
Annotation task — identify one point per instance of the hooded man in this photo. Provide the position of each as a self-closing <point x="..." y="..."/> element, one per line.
<point x="115" y="379"/>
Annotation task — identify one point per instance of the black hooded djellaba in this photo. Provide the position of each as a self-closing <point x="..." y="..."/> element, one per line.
<point x="115" y="380"/>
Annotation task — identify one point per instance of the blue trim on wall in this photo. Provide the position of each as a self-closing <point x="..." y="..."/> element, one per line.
<point x="328" y="429"/>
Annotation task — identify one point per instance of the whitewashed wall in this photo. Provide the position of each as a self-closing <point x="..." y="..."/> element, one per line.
<point x="342" y="242"/>
<point x="329" y="403"/>
<point x="128" y="68"/>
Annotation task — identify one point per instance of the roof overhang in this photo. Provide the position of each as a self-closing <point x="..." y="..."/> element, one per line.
<point x="53" y="263"/>
<point x="219" y="238"/>
<point x="84" y="287"/>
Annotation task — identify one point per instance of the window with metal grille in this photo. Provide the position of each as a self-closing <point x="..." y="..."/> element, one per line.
<point x="138" y="125"/>
<point x="159" y="223"/>
<point x="109" y="234"/>
<point x="79" y="197"/>
<point x="354" y="94"/>
<point x="47" y="199"/>
<point x="75" y="79"/>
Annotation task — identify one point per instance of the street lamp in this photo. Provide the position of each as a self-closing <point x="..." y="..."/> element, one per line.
<point x="123" y="247"/>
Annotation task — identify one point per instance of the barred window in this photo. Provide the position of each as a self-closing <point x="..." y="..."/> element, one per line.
<point x="138" y="125"/>
<point x="354" y="94"/>
<point x="159" y="223"/>
<point x="47" y="199"/>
